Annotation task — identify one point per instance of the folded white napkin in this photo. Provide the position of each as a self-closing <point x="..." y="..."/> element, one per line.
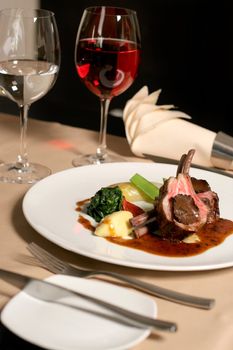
<point x="164" y="131"/>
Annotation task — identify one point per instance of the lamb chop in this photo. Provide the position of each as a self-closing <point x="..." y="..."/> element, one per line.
<point x="185" y="204"/>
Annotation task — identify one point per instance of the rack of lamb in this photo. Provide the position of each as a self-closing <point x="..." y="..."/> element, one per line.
<point x="185" y="203"/>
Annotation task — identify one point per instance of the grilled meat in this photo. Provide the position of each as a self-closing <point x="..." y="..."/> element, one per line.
<point x="185" y="204"/>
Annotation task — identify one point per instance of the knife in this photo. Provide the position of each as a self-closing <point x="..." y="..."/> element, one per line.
<point x="159" y="159"/>
<point x="46" y="291"/>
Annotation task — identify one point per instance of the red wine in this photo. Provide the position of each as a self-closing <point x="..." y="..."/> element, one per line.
<point x="107" y="66"/>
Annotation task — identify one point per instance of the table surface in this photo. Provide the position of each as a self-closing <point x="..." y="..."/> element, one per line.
<point x="55" y="145"/>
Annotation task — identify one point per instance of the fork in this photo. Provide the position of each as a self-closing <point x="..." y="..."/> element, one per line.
<point x="57" y="266"/>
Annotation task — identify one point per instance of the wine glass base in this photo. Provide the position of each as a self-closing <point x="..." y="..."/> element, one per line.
<point x="12" y="173"/>
<point x="88" y="159"/>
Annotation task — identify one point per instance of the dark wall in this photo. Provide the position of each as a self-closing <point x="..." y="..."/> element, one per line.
<point x="187" y="52"/>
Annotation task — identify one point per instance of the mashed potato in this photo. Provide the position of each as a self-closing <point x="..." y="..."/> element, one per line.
<point x="115" y="225"/>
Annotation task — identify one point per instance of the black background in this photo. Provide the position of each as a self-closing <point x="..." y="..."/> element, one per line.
<point x="187" y="52"/>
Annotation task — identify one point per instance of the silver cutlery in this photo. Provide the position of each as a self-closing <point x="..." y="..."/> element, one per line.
<point x="159" y="159"/>
<point x="55" y="265"/>
<point x="50" y="292"/>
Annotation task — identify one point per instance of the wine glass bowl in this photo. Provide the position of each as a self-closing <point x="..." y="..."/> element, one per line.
<point x="107" y="55"/>
<point x="29" y="65"/>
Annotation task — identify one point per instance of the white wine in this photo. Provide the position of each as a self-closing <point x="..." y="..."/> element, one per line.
<point x="26" y="81"/>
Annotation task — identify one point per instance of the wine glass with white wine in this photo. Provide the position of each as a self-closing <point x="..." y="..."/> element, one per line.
<point x="29" y="65"/>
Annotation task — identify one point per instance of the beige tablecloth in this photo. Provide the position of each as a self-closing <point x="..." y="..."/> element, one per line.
<point x="56" y="145"/>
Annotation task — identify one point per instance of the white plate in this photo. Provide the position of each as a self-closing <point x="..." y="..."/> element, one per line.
<point x="57" y="327"/>
<point x="49" y="206"/>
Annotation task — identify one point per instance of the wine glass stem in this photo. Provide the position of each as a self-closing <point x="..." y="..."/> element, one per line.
<point x="101" y="150"/>
<point x="22" y="158"/>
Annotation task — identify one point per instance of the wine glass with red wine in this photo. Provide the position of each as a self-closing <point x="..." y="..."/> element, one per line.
<point x="107" y="55"/>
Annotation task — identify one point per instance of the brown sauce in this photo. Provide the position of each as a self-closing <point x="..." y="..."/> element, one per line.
<point x="86" y="223"/>
<point x="81" y="204"/>
<point x="210" y="236"/>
